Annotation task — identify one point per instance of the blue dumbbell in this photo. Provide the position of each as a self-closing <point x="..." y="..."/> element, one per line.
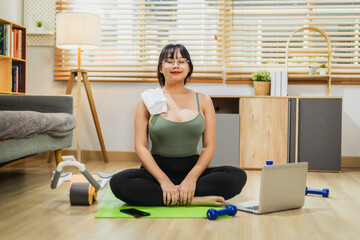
<point x="212" y="214"/>
<point x="324" y="192"/>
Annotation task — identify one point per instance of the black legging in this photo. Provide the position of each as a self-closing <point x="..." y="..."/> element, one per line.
<point x="139" y="187"/>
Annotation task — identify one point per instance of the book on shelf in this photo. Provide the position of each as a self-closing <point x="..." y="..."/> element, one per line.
<point x="13" y="78"/>
<point x="17" y="43"/>
<point x="284" y="83"/>
<point x="4" y="39"/>
<point x="13" y="46"/>
<point x="273" y="84"/>
<point x="8" y="34"/>
<point x="279" y="82"/>
<point x="16" y="77"/>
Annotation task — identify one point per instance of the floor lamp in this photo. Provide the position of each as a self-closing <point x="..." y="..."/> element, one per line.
<point x="75" y="30"/>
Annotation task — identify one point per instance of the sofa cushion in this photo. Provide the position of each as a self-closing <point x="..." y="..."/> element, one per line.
<point x="26" y="124"/>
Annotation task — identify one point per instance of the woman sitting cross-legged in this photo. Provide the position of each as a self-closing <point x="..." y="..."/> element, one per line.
<point x="172" y="172"/>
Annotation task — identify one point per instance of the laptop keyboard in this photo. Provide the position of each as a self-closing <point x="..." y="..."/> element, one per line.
<point x="253" y="208"/>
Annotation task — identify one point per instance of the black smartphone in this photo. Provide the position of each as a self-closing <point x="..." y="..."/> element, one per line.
<point x="135" y="212"/>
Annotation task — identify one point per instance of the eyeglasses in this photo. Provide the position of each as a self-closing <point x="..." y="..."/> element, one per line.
<point x="180" y="61"/>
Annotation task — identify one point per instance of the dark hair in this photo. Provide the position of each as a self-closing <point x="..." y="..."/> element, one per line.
<point x="169" y="51"/>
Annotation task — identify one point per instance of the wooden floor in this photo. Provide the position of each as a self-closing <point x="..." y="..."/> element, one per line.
<point x="30" y="209"/>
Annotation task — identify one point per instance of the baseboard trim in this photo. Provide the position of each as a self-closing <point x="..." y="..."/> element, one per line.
<point x="350" y="162"/>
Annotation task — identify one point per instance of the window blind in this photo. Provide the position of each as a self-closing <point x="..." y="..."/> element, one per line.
<point x="259" y="30"/>
<point x="227" y="39"/>
<point x="133" y="33"/>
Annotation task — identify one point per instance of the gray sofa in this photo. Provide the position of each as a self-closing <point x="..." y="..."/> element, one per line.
<point x="51" y="106"/>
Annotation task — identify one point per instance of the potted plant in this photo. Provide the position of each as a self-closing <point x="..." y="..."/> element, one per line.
<point x="312" y="69"/>
<point x="261" y="82"/>
<point x="39" y="25"/>
<point x="322" y="69"/>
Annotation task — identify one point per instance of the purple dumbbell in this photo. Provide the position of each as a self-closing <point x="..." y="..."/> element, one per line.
<point x="324" y="192"/>
<point x="212" y="214"/>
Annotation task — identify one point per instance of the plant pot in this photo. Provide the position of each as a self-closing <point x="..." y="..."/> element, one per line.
<point x="312" y="70"/>
<point x="322" y="71"/>
<point x="261" y="88"/>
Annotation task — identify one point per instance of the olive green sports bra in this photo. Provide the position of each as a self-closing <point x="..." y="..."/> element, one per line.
<point x="176" y="139"/>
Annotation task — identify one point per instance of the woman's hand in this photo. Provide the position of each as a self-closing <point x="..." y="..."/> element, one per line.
<point x="170" y="193"/>
<point x="187" y="191"/>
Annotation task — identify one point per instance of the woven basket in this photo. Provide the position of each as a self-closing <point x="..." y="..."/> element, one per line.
<point x="261" y="88"/>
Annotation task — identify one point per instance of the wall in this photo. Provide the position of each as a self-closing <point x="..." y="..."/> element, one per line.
<point x="12" y="10"/>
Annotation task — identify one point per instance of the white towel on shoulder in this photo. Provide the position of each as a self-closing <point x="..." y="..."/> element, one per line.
<point x="154" y="100"/>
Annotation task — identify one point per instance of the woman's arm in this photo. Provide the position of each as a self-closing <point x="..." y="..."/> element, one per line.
<point x="142" y="116"/>
<point x="187" y="187"/>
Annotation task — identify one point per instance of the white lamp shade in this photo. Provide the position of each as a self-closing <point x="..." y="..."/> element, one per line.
<point x="77" y="30"/>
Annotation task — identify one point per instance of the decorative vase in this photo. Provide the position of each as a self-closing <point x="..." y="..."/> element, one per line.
<point x="261" y="88"/>
<point x="322" y="71"/>
<point x="312" y="70"/>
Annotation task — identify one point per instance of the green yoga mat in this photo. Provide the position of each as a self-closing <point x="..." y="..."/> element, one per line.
<point x="110" y="207"/>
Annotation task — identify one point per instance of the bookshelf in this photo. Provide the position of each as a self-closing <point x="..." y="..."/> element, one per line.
<point x="12" y="58"/>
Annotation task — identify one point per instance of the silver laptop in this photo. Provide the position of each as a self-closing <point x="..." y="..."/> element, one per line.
<point x="282" y="188"/>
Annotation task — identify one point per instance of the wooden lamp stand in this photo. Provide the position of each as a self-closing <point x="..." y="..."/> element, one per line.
<point x="81" y="75"/>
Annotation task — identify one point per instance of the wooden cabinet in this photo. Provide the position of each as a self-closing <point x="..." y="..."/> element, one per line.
<point x="263" y="131"/>
<point x="12" y="58"/>
<point x="281" y="129"/>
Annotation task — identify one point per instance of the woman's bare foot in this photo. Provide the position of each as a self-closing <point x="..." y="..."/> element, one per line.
<point x="215" y="201"/>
